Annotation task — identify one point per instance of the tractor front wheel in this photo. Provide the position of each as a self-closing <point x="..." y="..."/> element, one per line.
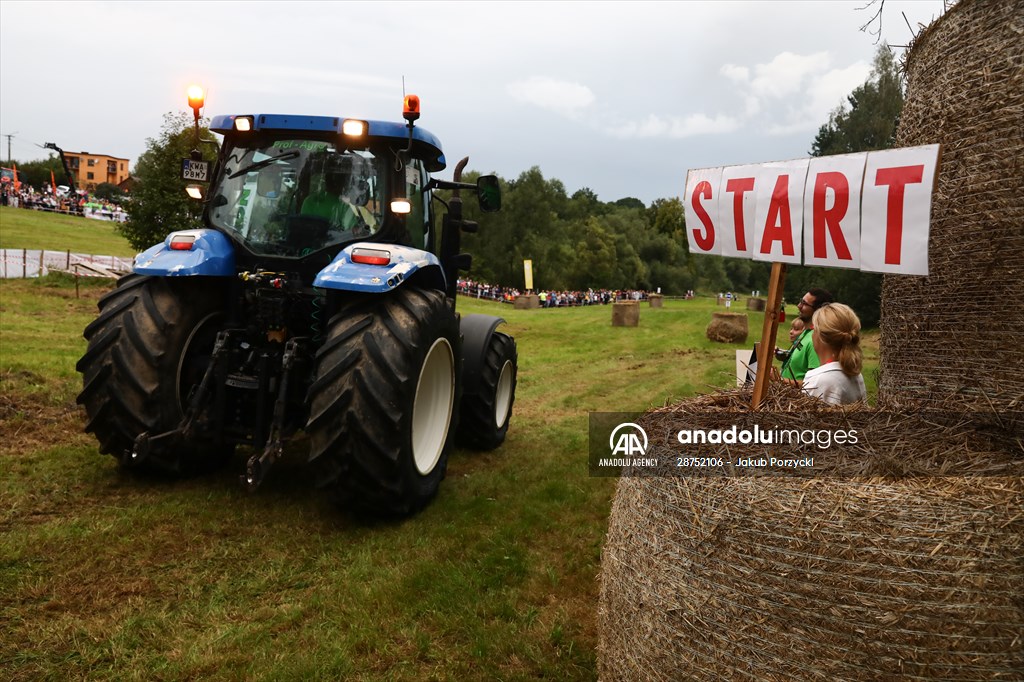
<point x="485" y="415"/>
<point x="383" y="401"/>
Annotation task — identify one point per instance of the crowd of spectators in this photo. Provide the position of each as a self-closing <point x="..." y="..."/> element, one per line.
<point x="550" y="299"/>
<point x="81" y="203"/>
<point x="469" y="287"/>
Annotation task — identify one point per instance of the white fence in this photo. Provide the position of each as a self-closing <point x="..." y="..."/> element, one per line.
<point x="18" y="263"/>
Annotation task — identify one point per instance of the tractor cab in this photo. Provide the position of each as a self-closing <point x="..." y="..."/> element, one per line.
<point x="290" y="186"/>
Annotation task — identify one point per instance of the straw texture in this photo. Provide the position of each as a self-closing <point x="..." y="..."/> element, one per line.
<point x="902" y="559"/>
<point x="960" y="331"/>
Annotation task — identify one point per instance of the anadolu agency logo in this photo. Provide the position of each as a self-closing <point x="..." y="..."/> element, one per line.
<point x="628" y="445"/>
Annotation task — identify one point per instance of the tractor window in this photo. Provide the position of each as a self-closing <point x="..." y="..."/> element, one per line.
<point x="418" y="220"/>
<point x="294" y="197"/>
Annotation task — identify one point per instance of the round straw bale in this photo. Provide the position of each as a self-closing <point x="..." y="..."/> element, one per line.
<point x="960" y="330"/>
<point x="728" y="327"/>
<point x="656" y="300"/>
<point x="626" y="314"/>
<point x="756" y="304"/>
<point x="526" y="302"/>
<point x="901" y="562"/>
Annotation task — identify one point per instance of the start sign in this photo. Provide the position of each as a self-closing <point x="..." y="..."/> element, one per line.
<point x="867" y="211"/>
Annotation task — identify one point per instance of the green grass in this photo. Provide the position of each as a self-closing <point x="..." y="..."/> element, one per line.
<point x="107" y="576"/>
<point x="25" y="229"/>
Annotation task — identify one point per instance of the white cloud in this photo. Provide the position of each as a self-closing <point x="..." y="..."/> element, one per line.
<point x="785" y="75"/>
<point x="790" y="94"/>
<point x="561" y="97"/>
<point x="752" y="105"/>
<point x="829" y="89"/>
<point x="793" y="93"/>
<point x="675" y="127"/>
<point x="740" y="74"/>
<point x="823" y="93"/>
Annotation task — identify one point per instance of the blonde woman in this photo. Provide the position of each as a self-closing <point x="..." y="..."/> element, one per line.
<point x="836" y="339"/>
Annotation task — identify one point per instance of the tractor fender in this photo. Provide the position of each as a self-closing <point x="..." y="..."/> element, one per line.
<point x="211" y="254"/>
<point x="476" y="337"/>
<point x="403" y="264"/>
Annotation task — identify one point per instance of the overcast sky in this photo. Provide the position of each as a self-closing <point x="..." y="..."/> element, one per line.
<point x="620" y="97"/>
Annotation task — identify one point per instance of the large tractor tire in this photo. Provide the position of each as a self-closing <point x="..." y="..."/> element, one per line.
<point x="485" y="413"/>
<point x="149" y="346"/>
<point x="383" y="401"/>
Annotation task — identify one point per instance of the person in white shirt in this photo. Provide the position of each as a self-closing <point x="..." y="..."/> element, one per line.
<point x="836" y="339"/>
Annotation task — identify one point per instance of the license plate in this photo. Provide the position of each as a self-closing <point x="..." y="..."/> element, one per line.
<point x="196" y="171"/>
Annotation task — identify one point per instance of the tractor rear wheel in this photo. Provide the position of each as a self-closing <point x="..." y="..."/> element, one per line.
<point x="485" y="415"/>
<point x="148" y="347"/>
<point x="383" y="400"/>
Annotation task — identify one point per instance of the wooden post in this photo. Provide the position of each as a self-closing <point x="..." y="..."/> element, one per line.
<point x="766" y="350"/>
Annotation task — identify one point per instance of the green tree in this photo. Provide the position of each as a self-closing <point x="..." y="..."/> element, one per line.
<point x="528" y="225"/>
<point x="108" y="192"/>
<point x="870" y="120"/>
<point x="628" y="202"/>
<point x="595" y="256"/>
<point x="584" y="203"/>
<point x="37" y="173"/>
<point x="159" y="203"/>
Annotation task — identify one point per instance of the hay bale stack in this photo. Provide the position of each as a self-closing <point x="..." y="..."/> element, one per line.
<point x="626" y="314"/>
<point x="728" y="328"/>
<point x="756" y="304"/>
<point x="656" y="300"/>
<point x="526" y="302"/>
<point x="859" y="574"/>
<point x="960" y="330"/>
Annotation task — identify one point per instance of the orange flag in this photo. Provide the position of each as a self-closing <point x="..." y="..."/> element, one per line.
<point x="17" y="185"/>
<point x="53" y="184"/>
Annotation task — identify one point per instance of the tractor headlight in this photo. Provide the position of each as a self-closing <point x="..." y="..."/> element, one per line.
<point x="352" y="127"/>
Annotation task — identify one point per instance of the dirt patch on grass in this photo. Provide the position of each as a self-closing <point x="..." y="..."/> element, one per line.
<point x="30" y="417"/>
<point x="87" y="293"/>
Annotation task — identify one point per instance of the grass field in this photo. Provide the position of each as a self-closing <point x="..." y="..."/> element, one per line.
<point x="108" y="576"/>
<point x="24" y="229"/>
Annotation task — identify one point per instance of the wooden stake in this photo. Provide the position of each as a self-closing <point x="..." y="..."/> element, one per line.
<point x="766" y="349"/>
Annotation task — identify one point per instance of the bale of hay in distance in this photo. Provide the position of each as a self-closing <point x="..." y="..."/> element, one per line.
<point x="727" y="328"/>
<point x="756" y="304"/>
<point x="626" y="314"/>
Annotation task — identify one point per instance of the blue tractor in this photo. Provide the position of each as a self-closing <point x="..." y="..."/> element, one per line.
<point x="319" y="298"/>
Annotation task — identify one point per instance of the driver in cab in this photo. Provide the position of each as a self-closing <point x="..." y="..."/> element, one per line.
<point x="337" y="197"/>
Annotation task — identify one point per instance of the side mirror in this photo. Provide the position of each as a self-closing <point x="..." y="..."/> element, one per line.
<point x="488" y="193"/>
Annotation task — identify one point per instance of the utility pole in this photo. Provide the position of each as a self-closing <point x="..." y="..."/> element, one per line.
<point x="9" y="145"/>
